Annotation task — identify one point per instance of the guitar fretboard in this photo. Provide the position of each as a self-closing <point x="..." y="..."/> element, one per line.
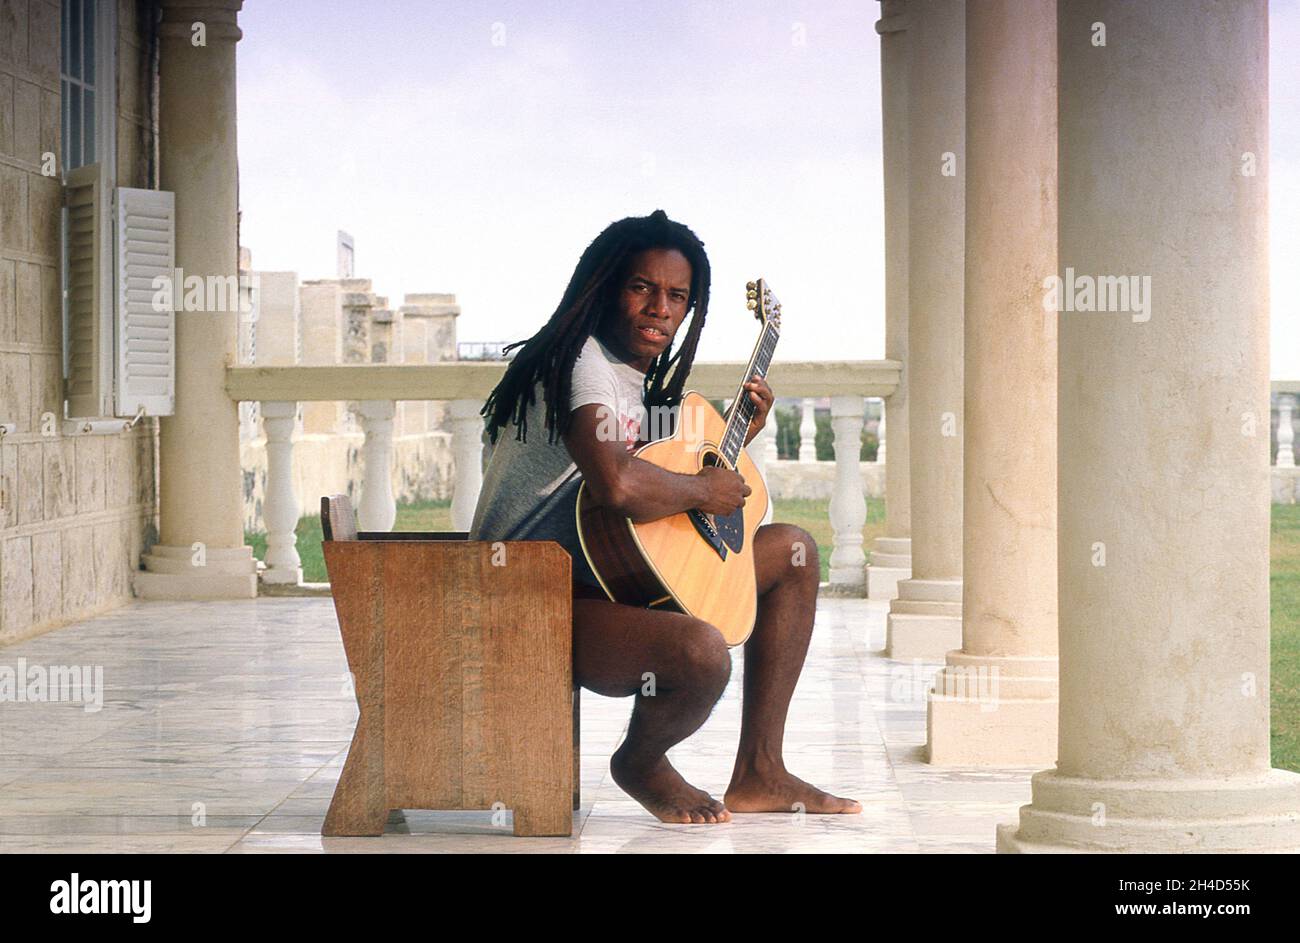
<point x="742" y="410"/>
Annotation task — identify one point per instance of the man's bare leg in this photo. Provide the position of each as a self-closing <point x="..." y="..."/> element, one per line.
<point x="774" y="657"/>
<point x="614" y="648"/>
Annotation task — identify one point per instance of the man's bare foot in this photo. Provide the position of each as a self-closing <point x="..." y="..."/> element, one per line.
<point x="782" y="791"/>
<point x="664" y="793"/>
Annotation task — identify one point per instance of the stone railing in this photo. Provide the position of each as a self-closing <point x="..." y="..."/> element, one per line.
<point x="377" y="388"/>
<point x="1282" y="452"/>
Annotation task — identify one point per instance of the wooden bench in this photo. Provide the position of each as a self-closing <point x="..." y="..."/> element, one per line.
<point x="461" y="655"/>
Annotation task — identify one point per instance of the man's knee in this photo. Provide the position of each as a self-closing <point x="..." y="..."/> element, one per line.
<point x="702" y="654"/>
<point x="796" y="550"/>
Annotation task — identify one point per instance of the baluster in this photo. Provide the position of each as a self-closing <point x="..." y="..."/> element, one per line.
<point x="880" y="434"/>
<point x="767" y="448"/>
<point x="848" y="510"/>
<point x="281" y="509"/>
<point x="467" y="452"/>
<point x="378" y="510"/>
<point x="768" y="439"/>
<point x="762" y="451"/>
<point x="1285" y="431"/>
<point x="757" y="450"/>
<point x="808" y="431"/>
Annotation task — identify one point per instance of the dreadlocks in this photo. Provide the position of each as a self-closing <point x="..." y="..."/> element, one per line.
<point x="549" y="354"/>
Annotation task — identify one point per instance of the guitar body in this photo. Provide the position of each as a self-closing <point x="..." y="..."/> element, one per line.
<point x="680" y="563"/>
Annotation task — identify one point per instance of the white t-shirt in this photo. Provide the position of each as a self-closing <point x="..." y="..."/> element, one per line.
<point x="530" y="489"/>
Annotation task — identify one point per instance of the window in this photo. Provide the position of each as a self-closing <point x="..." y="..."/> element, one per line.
<point x="87" y="87"/>
<point x="77" y="85"/>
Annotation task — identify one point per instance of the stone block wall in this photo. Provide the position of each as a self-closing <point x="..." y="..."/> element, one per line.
<point x="75" y="510"/>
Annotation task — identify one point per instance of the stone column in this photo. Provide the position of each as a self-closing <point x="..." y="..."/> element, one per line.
<point x="356" y="301"/>
<point x="381" y="333"/>
<point x="201" y="553"/>
<point x="995" y="701"/>
<point x="279" y="321"/>
<point x="414" y="349"/>
<point x="321" y="312"/>
<point x="429" y="319"/>
<point x="925" y="619"/>
<point x="891" y="555"/>
<point x="1163" y="543"/>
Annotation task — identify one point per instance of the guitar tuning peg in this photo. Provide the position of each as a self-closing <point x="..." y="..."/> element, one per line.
<point x="752" y="305"/>
<point x="750" y="286"/>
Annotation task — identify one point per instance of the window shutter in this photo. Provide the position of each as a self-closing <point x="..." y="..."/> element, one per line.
<point x="90" y="364"/>
<point x="146" y="333"/>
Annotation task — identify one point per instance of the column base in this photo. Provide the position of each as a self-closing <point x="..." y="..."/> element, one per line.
<point x="891" y="561"/>
<point x="1241" y="814"/>
<point x="228" y="573"/>
<point x="925" y="620"/>
<point x="988" y="710"/>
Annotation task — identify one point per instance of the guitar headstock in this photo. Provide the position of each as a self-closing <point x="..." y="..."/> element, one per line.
<point x="765" y="305"/>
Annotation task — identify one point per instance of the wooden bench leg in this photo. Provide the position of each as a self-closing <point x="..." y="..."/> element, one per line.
<point x="539" y="819"/>
<point x="359" y="806"/>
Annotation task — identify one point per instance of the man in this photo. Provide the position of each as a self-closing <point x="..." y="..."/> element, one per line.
<point x="601" y="360"/>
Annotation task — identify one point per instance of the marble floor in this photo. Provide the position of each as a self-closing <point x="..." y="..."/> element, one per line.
<point x="224" y="725"/>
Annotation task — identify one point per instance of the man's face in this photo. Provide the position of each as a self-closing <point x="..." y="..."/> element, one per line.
<point x="651" y="306"/>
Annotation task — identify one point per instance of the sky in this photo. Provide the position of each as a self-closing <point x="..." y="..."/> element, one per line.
<point x="478" y="147"/>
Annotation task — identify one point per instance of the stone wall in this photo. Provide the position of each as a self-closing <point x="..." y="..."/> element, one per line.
<point x="75" y="510"/>
<point x="816" y="480"/>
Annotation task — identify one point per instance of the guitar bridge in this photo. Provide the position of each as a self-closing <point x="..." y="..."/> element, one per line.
<point x="705" y="528"/>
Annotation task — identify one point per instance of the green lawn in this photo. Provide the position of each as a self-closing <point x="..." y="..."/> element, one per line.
<point x="1284" y="604"/>
<point x="812" y="516"/>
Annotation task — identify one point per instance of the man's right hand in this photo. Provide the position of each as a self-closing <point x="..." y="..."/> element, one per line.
<point x="726" y="490"/>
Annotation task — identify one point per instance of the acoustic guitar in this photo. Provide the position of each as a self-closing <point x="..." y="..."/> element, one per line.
<point x="697" y="563"/>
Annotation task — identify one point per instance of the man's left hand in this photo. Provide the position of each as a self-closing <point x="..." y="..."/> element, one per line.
<point x="760" y="394"/>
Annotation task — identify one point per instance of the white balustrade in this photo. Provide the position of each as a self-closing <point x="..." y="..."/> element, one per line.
<point x="848" y="501"/>
<point x="1285" y="431"/>
<point x="757" y="450"/>
<point x="808" y="431"/>
<point x="467" y="455"/>
<point x="880" y="434"/>
<point x="378" y="510"/>
<point x="768" y="438"/>
<point x="281" y="508"/>
<point x="763" y="451"/>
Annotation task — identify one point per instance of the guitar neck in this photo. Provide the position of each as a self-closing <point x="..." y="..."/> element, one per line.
<point x="742" y="409"/>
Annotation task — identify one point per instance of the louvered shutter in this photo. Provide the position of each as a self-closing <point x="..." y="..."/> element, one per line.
<point x="146" y="327"/>
<point x="90" y="363"/>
